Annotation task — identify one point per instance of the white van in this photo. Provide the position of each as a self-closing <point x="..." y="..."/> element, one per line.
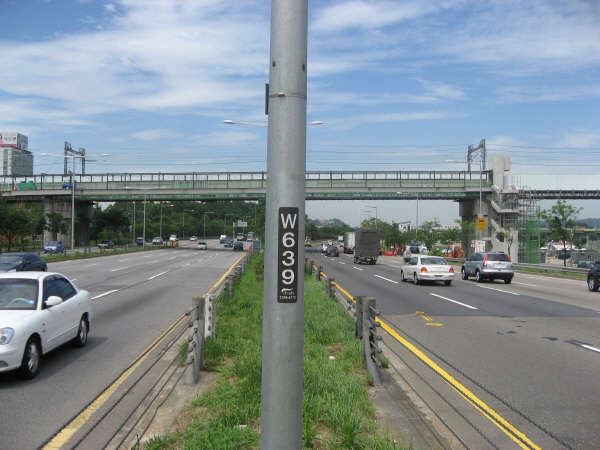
<point x="222" y="239"/>
<point x="414" y="249"/>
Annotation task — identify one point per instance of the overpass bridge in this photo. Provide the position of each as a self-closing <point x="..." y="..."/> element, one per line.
<point x="506" y="201"/>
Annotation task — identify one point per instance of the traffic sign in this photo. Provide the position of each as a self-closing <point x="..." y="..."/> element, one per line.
<point x="481" y="224"/>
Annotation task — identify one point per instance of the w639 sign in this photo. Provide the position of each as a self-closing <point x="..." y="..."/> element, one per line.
<point x="287" y="256"/>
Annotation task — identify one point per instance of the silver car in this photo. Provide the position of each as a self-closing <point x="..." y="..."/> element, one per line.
<point x="488" y="266"/>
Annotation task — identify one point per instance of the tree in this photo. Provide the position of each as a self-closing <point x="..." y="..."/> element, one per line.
<point x="14" y="223"/>
<point x="509" y="236"/>
<point x="429" y="233"/>
<point x="561" y="219"/>
<point x="467" y="233"/>
<point x="450" y="236"/>
<point x="56" y="224"/>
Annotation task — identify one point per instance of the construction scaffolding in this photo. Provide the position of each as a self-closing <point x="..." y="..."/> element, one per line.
<point x="528" y="224"/>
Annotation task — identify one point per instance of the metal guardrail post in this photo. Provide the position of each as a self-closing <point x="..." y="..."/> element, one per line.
<point x="319" y="270"/>
<point x="310" y="267"/>
<point x="238" y="273"/>
<point x="210" y="313"/>
<point x="230" y="285"/>
<point x="195" y="353"/>
<point x="359" y="317"/>
<point x="329" y="287"/>
<point x="371" y="338"/>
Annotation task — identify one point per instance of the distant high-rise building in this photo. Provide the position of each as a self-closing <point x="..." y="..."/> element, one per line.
<point x="17" y="160"/>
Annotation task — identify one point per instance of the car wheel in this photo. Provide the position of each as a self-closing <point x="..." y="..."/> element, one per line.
<point x="448" y="283"/>
<point x="82" y="334"/>
<point x="402" y="277"/>
<point x="463" y="274"/>
<point x="355" y="260"/>
<point x="30" y="363"/>
<point x="508" y="280"/>
<point x="415" y="279"/>
<point x="478" y="277"/>
<point x="592" y="284"/>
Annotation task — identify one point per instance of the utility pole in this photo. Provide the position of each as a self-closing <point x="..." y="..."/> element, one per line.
<point x="472" y="150"/>
<point x="283" y="316"/>
<point x="69" y="153"/>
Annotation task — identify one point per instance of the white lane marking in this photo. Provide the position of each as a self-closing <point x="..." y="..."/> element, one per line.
<point x="499" y="290"/>
<point x="453" y="301"/>
<point x="340" y="262"/>
<point x="356" y="268"/>
<point x="525" y="284"/>
<point x="386" y="279"/>
<point x="589" y="347"/>
<point x="186" y="264"/>
<point x="152" y="262"/>
<point x="121" y="268"/>
<point x="546" y="278"/>
<point x="128" y="259"/>
<point x="106" y="293"/>
<point x="158" y="275"/>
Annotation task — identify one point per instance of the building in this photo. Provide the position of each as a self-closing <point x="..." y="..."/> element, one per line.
<point x="17" y="160"/>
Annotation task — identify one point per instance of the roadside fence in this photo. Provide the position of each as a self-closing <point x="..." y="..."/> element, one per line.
<point x="365" y="312"/>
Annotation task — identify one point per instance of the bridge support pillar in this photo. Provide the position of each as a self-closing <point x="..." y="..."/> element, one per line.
<point x="468" y="212"/>
<point x="83" y="216"/>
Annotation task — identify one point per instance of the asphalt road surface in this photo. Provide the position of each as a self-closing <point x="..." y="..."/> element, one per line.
<point x="136" y="297"/>
<point x="529" y="351"/>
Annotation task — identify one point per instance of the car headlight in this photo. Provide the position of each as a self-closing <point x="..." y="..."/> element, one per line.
<point x="12" y="270"/>
<point x="6" y="334"/>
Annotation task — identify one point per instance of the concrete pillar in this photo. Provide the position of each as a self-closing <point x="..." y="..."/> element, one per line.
<point x="83" y="216"/>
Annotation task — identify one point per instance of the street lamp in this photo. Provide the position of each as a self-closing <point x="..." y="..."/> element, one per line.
<point x="480" y="186"/>
<point x="205" y="213"/>
<point x="376" y="219"/>
<point x="160" y="228"/>
<point x="316" y="122"/>
<point x="225" y="223"/>
<point x="183" y="224"/>
<point x="417" y="219"/>
<point x="72" y="183"/>
<point x="144" y="226"/>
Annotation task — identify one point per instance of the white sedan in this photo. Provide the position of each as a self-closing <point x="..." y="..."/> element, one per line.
<point x="202" y="246"/>
<point x="39" y="311"/>
<point x="427" y="268"/>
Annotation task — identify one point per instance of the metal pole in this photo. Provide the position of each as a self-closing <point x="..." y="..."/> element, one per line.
<point x="144" y="227"/>
<point x="283" y="317"/>
<point x="73" y="209"/>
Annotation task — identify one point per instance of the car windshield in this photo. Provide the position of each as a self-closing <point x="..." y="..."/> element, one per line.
<point x="106" y="242"/>
<point x="11" y="259"/>
<point x="432" y="261"/>
<point x="18" y="294"/>
<point x="53" y="243"/>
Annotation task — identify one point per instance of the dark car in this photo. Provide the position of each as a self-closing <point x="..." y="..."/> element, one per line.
<point x="332" y="251"/>
<point x="21" y="262"/>
<point x="228" y="242"/>
<point x="238" y="246"/>
<point x="564" y="255"/>
<point x="593" y="279"/>
<point x="488" y="266"/>
<point x="106" y="244"/>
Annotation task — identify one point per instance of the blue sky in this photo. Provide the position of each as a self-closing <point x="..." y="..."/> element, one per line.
<point x="399" y="85"/>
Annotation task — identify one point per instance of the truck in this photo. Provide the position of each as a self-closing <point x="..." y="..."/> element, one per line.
<point x="349" y="242"/>
<point x="366" y="248"/>
<point x="340" y="238"/>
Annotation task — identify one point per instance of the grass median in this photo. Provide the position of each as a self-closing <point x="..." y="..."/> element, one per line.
<point x="337" y="411"/>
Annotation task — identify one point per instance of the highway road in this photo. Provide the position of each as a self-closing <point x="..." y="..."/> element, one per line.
<point x="136" y="298"/>
<point x="506" y="366"/>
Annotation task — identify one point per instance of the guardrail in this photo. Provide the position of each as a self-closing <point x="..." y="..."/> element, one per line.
<point x="541" y="267"/>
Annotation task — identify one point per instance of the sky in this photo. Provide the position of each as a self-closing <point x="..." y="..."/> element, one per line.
<point x="399" y="85"/>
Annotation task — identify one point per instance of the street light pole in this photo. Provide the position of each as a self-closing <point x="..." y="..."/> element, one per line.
<point x="72" y="184"/>
<point x="160" y="228"/>
<point x="225" y="223"/>
<point x="376" y="218"/>
<point x="207" y="212"/>
<point x="183" y="224"/>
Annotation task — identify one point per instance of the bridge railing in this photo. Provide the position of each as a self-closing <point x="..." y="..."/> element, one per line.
<point x="252" y="180"/>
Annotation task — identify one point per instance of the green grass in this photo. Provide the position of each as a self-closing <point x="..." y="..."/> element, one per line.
<point x="337" y="412"/>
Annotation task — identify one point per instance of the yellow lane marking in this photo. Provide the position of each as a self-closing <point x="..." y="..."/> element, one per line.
<point x="520" y="438"/>
<point x="517" y="436"/>
<point x="63" y="436"/>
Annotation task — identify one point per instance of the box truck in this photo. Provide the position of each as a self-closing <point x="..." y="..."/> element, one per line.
<point x="366" y="246"/>
<point x="349" y="242"/>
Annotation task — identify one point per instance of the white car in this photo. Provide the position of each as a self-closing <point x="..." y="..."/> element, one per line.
<point x="323" y="247"/>
<point x="202" y="246"/>
<point x="193" y="238"/>
<point x="39" y="311"/>
<point x="422" y="268"/>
